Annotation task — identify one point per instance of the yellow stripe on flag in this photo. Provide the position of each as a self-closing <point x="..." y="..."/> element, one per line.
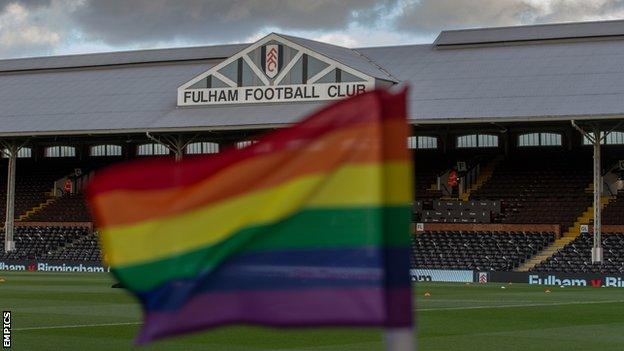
<point x="348" y="186"/>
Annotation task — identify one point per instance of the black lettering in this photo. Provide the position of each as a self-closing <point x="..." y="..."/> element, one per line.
<point x="258" y="94"/>
<point x="197" y="96"/>
<point x="331" y="91"/>
<point x="248" y="93"/>
<point x="212" y="96"/>
<point x="340" y="91"/>
<point x="232" y="95"/>
<point x="269" y="94"/>
<point x="314" y="93"/>
<point x="222" y="96"/>
<point x="351" y="90"/>
<point x="298" y="93"/>
<point x="279" y="90"/>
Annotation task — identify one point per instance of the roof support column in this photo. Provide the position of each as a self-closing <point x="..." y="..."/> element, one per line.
<point x="597" y="247"/>
<point x="10" y="149"/>
<point x="175" y="143"/>
<point x="596" y="136"/>
<point x="177" y="147"/>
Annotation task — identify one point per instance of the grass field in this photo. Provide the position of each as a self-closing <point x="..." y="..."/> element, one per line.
<point x="69" y="311"/>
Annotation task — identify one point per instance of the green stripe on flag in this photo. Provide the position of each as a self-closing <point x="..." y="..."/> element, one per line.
<point x="308" y="229"/>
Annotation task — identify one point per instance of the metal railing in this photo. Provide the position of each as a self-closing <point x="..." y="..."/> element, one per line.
<point x="469" y="178"/>
<point x="465" y="181"/>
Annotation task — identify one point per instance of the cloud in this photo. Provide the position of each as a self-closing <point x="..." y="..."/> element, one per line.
<point x="45" y="27"/>
<point x="24" y="29"/>
<point x="577" y="10"/>
<point x="25" y="3"/>
<point x="122" y="22"/>
<point x="430" y="16"/>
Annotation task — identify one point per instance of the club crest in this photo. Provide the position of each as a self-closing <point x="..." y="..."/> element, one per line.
<point x="271" y="60"/>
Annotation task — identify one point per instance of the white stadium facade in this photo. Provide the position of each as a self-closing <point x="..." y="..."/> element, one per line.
<point x="476" y="97"/>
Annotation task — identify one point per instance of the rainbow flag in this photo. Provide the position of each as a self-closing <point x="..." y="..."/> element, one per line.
<point x="307" y="227"/>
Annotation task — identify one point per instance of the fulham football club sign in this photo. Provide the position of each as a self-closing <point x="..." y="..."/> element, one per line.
<point x="278" y="69"/>
<point x="271" y="60"/>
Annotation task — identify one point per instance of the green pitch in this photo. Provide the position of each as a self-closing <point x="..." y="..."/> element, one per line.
<point x="68" y="311"/>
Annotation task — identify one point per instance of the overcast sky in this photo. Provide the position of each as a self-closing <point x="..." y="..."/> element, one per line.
<point x="54" y="27"/>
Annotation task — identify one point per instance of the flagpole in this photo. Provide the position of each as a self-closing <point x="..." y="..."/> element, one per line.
<point x="400" y="339"/>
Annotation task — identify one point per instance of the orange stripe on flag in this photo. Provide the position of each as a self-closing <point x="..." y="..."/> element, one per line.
<point x="355" y="145"/>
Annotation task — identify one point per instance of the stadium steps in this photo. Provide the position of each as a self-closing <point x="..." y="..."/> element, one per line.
<point x="484" y="176"/>
<point x="572" y="233"/>
<point x="433" y="191"/>
<point x="36" y="209"/>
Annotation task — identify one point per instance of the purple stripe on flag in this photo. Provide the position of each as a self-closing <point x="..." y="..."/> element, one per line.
<point x="285" y="308"/>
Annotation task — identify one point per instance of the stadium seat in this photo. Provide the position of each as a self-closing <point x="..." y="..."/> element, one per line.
<point x="53" y="243"/>
<point x="576" y="256"/>
<point x="492" y="251"/>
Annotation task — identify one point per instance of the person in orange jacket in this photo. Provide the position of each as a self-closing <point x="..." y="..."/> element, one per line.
<point x="68" y="186"/>
<point x="453" y="181"/>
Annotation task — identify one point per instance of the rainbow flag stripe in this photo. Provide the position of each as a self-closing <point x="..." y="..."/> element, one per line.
<point x="307" y="227"/>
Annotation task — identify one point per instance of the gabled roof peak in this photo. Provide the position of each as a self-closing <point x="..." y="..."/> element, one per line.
<point x="286" y="68"/>
<point x="348" y="57"/>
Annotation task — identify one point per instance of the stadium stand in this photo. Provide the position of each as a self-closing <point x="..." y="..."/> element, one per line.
<point x="84" y="248"/>
<point x="540" y="189"/>
<point x="451" y="211"/>
<point x="43" y="242"/>
<point x="35" y="200"/>
<point x="576" y="256"/>
<point x="33" y="185"/>
<point x="614" y="212"/>
<point x="426" y="174"/>
<point x="524" y="188"/>
<point x="476" y="250"/>
<point x="66" y="208"/>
